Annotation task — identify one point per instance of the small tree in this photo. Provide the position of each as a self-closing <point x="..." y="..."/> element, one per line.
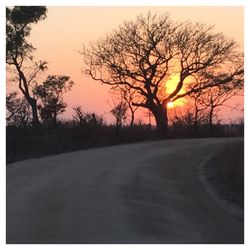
<point x="51" y="94"/>
<point x="18" y="111"/>
<point x="119" y="112"/>
<point x="200" y="112"/>
<point x="94" y="119"/>
<point x="18" y="26"/>
<point x="212" y="98"/>
<point x="148" y="114"/>
<point x="79" y="116"/>
<point x="128" y="96"/>
<point x="86" y="119"/>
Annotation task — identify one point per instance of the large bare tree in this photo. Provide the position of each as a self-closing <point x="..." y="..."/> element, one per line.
<point x="144" y="54"/>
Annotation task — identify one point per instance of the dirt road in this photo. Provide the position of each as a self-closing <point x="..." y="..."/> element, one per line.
<point x="136" y="193"/>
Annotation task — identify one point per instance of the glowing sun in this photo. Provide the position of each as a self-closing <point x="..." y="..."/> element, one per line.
<point x="170" y="104"/>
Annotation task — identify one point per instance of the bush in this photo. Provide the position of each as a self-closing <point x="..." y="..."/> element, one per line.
<point x="67" y="136"/>
<point x="232" y="169"/>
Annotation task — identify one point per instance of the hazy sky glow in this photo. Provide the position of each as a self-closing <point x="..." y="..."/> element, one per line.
<point x="62" y="34"/>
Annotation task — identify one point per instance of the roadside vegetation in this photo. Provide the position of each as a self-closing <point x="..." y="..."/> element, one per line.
<point x="225" y="173"/>
<point x="27" y="142"/>
<point x="231" y="171"/>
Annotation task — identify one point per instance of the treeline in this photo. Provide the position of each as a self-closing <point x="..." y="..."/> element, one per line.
<point x="91" y="131"/>
<point x="23" y="143"/>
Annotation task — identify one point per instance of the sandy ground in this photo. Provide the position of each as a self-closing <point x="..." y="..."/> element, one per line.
<point x="135" y="193"/>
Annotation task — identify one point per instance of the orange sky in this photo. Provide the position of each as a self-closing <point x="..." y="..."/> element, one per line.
<point x="58" y="38"/>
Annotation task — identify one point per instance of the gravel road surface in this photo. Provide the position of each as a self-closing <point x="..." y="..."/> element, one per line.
<point x="146" y="192"/>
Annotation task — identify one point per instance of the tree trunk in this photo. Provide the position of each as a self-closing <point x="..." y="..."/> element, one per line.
<point x="161" y="118"/>
<point x="196" y="120"/>
<point x="24" y="87"/>
<point x="35" y="120"/>
<point x="211" y="119"/>
<point x="117" y="128"/>
<point x="132" y="119"/>
<point x="54" y="121"/>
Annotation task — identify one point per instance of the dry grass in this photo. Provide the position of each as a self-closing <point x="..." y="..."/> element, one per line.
<point x="232" y="170"/>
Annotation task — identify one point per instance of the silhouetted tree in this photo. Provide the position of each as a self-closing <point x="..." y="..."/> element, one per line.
<point x="119" y="112"/>
<point x="208" y="100"/>
<point x="18" y="111"/>
<point x="200" y="112"/>
<point x="86" y="119"/>
<point x="192" y="110"/>
<point x="79" y="116"/>
<point x="144" y="54"/>
<point x="18" y="50"/>
<point x="94" y="119"/>
<point x="148" y="114"/>
<point x="51" y="95"/>
<point x="215" y="97"/>
<point x="128" y="95"/>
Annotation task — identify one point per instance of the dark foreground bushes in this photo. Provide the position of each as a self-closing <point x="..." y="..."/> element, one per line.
<point x="232" y="171"/>
<point x="29" y="143"/>
<point x="225" y="172"/>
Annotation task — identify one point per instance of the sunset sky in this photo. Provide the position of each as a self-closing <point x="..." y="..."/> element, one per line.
<point x="59" y="38"/>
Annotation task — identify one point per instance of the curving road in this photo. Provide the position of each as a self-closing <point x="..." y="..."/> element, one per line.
<point x="136" y="193"/>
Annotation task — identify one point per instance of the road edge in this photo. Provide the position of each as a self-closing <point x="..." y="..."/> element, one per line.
<point x="203" y="175"/>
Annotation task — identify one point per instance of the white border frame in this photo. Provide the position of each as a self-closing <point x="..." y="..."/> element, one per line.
<point x="4" y="3"/>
